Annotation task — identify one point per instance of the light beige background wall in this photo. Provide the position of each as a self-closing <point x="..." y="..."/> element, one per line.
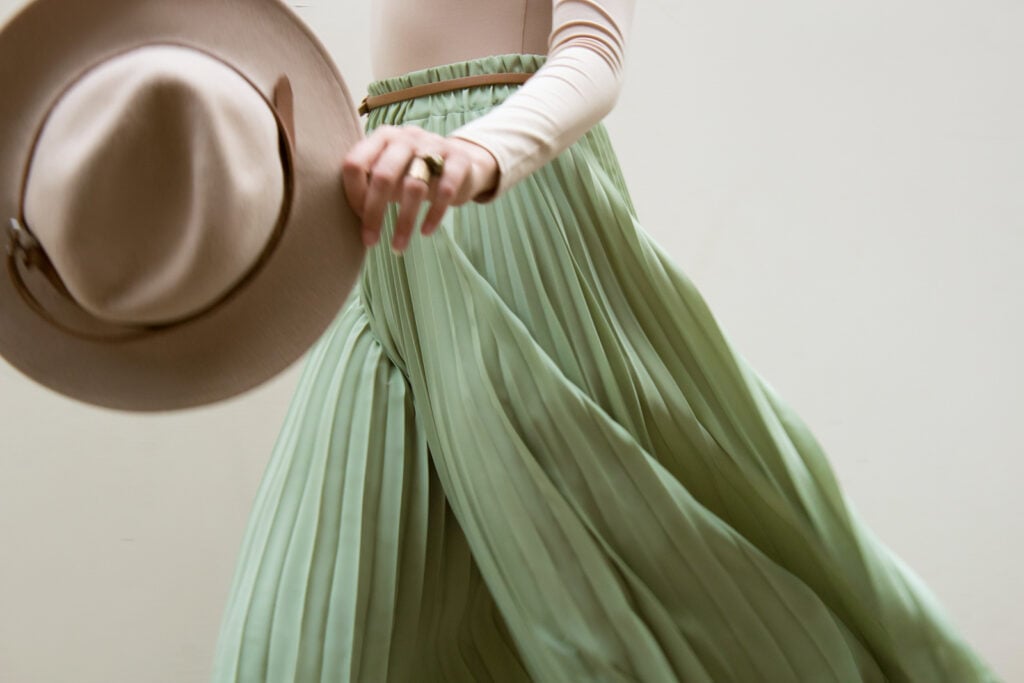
<point x="843" y="181"/>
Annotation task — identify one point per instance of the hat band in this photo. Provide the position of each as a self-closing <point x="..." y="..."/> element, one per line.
<point x="24" y="249"/>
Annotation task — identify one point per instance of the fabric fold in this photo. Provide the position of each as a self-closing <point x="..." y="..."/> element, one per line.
<point x="528" y="451"/>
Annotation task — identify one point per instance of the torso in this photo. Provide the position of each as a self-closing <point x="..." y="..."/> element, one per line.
<point x="408" y="35"/>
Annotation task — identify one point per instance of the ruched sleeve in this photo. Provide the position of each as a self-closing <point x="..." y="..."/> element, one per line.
<point x="575" y="88"/>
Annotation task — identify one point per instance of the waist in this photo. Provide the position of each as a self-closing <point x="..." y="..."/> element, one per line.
<point x="492" y="71"/>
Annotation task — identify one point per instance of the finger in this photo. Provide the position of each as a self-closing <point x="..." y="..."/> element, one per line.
<point x="433" y="217"/>
<point x="414" y="191"/>
<point x="464" y="183"/>
<point x="385" y="183"/>
<point x="446" y="189"/>
<point x="356" y="165"/>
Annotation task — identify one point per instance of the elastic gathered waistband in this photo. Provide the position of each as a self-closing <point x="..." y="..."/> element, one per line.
<point x="462" y="103"/>
<point x="507" y="63"/>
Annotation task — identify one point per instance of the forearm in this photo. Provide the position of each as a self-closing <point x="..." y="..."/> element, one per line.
<point x="575" y="88"/>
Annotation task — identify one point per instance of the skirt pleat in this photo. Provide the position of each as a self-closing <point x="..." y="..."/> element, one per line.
<point x="526" y="450"/>
<point x="352" y="567"/>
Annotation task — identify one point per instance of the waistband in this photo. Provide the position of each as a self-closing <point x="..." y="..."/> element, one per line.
<point x="481" y="71"/>
<point x="412" y="92"/>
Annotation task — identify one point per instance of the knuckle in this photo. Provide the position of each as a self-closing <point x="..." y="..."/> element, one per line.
<point x="464" y="193"/>
<point x="460" y="173"/>
<point x="351" y="165"/>
<point x="383" y="179"/>
<point x="415" y="187"/>
<point x="446" y="191"/>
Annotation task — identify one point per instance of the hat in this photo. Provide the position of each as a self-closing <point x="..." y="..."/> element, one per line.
<point x="171" y="198"/>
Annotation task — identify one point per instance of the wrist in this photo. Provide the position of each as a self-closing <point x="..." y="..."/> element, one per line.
<point x="486" y="171"/>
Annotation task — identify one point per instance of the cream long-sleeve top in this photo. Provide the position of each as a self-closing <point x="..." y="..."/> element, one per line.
<point x="577" y="85"/>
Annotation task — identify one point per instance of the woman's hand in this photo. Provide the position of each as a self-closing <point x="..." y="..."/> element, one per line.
<point x="374" y="174"/>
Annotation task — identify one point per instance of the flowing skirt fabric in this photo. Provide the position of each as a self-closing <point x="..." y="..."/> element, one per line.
<point x="526" y="451"/>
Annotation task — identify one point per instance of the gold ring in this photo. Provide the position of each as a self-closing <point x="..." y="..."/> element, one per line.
<point x="435" y="162"/>
<point x="419" y="169"/>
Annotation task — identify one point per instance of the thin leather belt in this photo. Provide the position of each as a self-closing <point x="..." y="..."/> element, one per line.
<point x="372" y="102"/>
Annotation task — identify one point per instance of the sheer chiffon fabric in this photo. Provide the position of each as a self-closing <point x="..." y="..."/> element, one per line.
<point x="526" y="450"/>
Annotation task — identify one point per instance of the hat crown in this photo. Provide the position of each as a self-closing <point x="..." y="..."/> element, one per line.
<point x="156" y="183"/>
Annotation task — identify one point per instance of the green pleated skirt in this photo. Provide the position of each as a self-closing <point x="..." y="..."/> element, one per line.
<point x="526" y="451"/>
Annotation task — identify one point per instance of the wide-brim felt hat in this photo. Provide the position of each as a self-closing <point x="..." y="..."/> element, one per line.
<point x="172" y="208"/>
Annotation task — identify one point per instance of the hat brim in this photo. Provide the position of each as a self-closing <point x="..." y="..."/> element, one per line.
<point x="275" y="318"/>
